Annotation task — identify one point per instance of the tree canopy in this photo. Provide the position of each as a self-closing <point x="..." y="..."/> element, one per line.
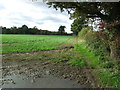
<point x="108" y="11"/>
<point x="77" y="25"/>
<point x="24" y="29"/>
<point x="61" y="29"/>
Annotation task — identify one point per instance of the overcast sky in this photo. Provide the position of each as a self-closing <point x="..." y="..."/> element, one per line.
<point x="19" y="12"/>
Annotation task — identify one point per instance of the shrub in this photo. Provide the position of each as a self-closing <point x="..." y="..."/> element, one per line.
<point x="95" y="43"/>
<point x="83" y="32"/>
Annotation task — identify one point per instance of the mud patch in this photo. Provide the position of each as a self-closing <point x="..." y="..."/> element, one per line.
<point x="40" y="65"/>
<point x="47" y="81"/>
<point x="41" y="73"/>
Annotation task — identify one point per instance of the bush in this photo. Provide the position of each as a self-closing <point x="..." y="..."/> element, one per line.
<point x="83" y="32"/>
<point x="94" y="43"/>
<point x="100" y="45"/>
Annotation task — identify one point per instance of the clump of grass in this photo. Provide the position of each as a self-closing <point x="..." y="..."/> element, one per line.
<point x="108" y="79"/>
<point x="91" y="59"/>
<point x="78" y="62"/>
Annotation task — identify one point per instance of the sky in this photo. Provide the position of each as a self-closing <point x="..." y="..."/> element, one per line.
<point x="37" y="13"/>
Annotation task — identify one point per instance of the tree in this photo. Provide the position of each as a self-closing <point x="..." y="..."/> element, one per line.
<point x="108" y="12"/>
<point x="25" y="29"/>
<point x="77" y="25"/>
<point x="14" y="30"/>
<point x="61" y="29"/>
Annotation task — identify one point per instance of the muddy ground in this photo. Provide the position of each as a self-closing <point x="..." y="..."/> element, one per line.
<point x="53" y="63"/>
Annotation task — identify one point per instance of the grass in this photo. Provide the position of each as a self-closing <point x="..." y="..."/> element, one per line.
<point x="78" y="62"/>
<point x="93" y="60"/>
<point x="67" y="57"/>
<point x="108" y="77"/>
<point x="28" y="43"/>
<point x="79" y="56"/>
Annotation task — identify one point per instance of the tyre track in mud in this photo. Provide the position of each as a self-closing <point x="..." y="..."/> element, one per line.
<point x="38" y="68"/>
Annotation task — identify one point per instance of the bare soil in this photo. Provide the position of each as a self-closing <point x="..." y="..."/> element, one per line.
<point x="15" y="64"/>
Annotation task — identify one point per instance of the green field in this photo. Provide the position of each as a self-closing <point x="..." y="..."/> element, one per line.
<point x="79" y="56"/>
<point x="28" y="43"/>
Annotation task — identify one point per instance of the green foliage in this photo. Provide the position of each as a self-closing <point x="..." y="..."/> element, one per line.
<point x="83" y="32"/>
<point x="108" y="64"/>
<point x="89" y="9"/>
<point x="88" y="55"/>
<point x="79" y="62"/>
<point x="27" y="43"/>
<point x="95" y="43"/>
<point x="91" y="37"/>
<point x="25" y="30"/>
<point x="107" y="12"/>
<point x="107" y="72"/>
<point x="61" y="29"/>
<point x="77" y="25"/>
<point x="108" y="79"/>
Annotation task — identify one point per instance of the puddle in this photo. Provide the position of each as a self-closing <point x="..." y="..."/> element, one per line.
<point x="48" y="81"/>
<point x="41" y="74"/>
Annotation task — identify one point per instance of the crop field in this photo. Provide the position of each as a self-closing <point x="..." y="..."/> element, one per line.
<point x="54" y="50"/>
<point x="28" y="43"/>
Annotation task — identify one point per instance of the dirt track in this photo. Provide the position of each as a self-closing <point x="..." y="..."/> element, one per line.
<point x="37" y="69"/>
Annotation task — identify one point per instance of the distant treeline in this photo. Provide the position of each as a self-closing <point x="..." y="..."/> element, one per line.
<point x="25" y="30"/>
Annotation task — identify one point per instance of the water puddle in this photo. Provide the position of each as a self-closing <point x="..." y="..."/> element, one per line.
<point x="39" y="74"/>
<point x="48" y="81"/>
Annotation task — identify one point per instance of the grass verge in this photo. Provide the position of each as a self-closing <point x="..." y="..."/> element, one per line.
<point x="108" y="77"/>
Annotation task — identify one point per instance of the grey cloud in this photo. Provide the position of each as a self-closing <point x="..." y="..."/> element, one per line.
<point x="39" y="4"/>
<point x="38" y="13"/>
<point x="47" y="10"/>
<point x="43" y="7"/>
<point x="30" y="19"/>
<point x="54" y="19"/>
<point x="21" y="17"/>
